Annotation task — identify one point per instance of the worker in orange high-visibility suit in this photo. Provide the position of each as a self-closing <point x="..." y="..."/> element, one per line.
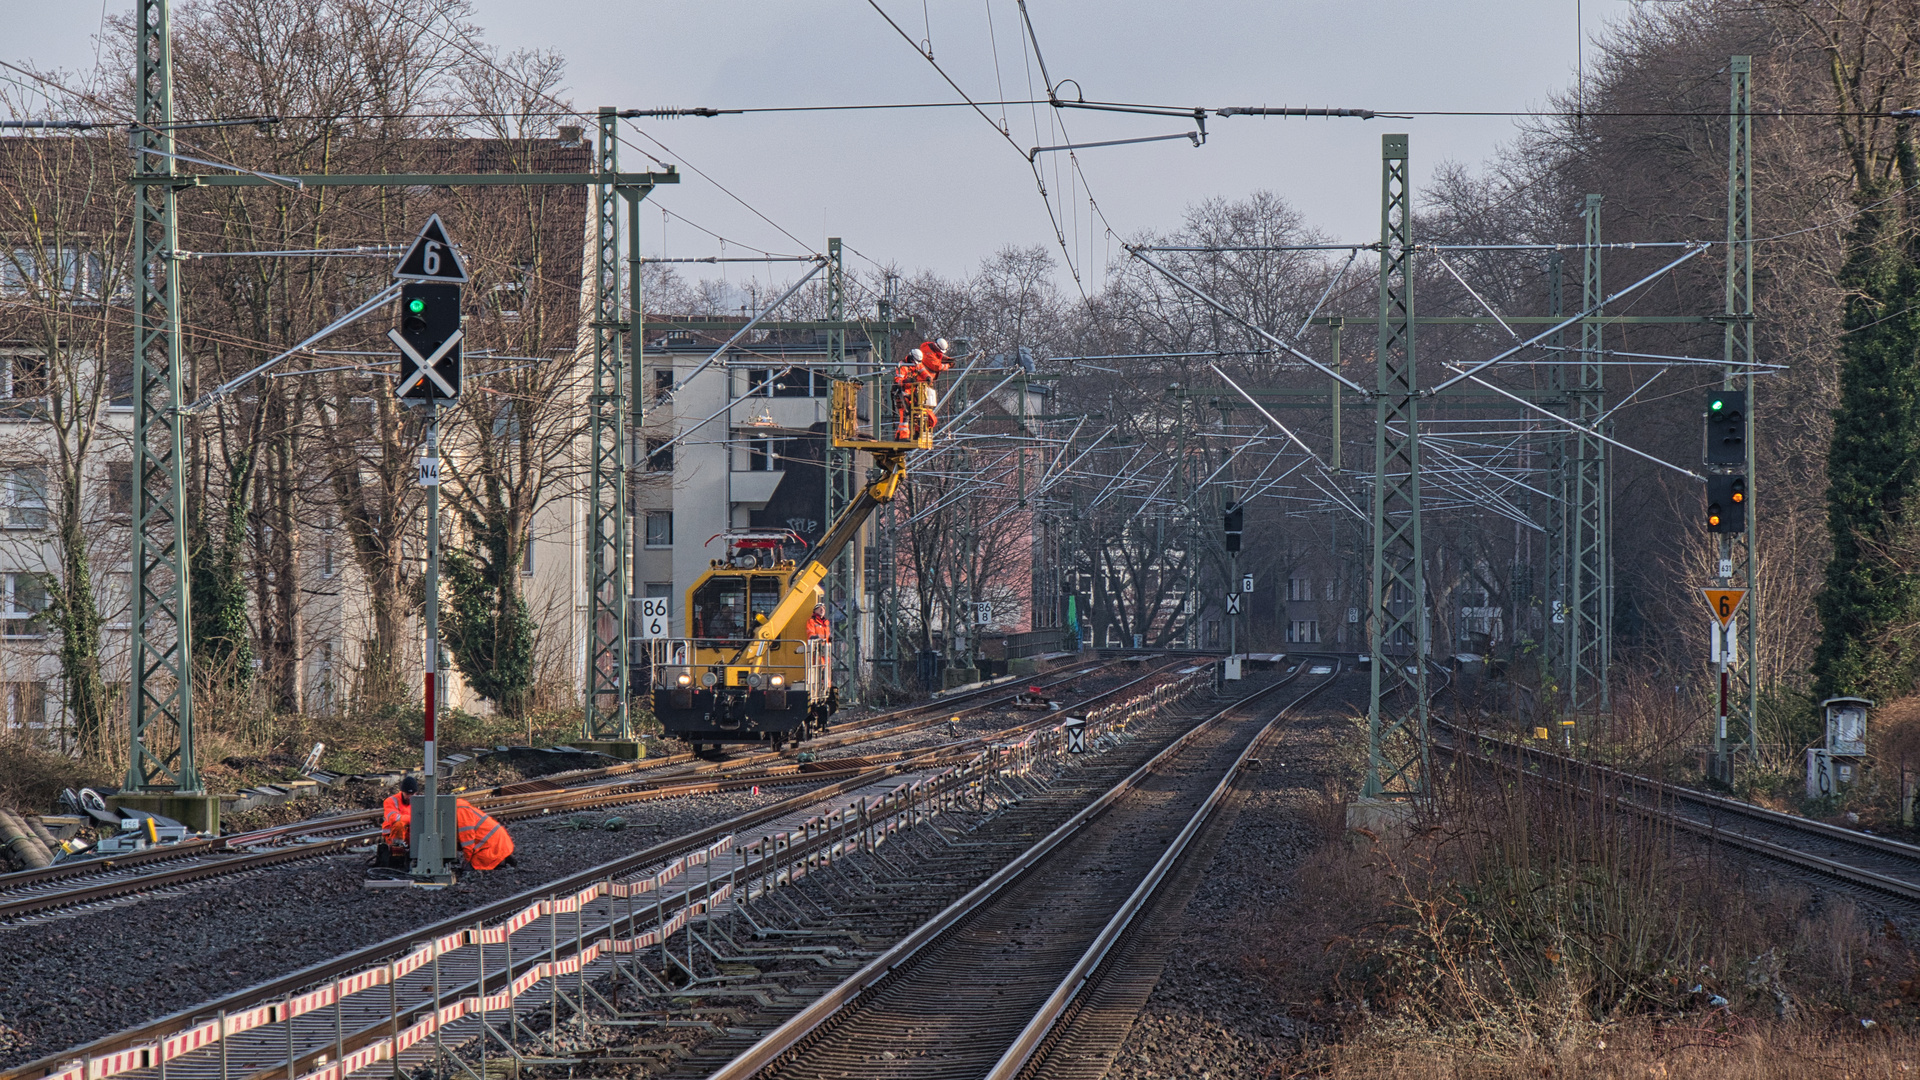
<point x="923" y="365"/>
<point x="818" y="626"/>
<point x="395" y="822"/>
<point x="484" y="842"/>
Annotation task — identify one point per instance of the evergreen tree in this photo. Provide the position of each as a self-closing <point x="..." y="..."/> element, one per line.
<point x="486" y="622"/>
<point x="1873" y="467"/>
<point x="222" y="636"/>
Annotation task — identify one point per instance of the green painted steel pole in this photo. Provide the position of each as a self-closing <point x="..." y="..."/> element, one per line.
<point x="605" y="715"/>
<point x="161" y="704"/>
<point x="1739" y="355"/>
<point x="1397" y="622"/>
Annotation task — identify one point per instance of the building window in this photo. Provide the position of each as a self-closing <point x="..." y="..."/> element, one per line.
<point x="526" y="557"/>
<point x="1300" y="588"/>
<point x="22" y="598"/>
<point x="41" y="272"/>
<point x="1304" y="632"/>
<point x="120" y="488"/>
<point x="23" y="497"/>
<point x="1213" y="633"/>
<point x="662" y="383"/>
<point x="658" y="589"/>
<point x="659" y="528"/>
<point x="793" y="382"/>
<point x="659" y="455"/>
<point x="24" y="705"/>
<point x="766" y="455"/>
<point x="329" y="562"/>
<point x="23" y="376"/>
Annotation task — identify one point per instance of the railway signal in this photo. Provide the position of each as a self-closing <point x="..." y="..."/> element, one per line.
<point x="430" y="373"/>
<point x="1235" y="520"/>
<point x="429" y="342"/>
<point x="1726" y="436"/>
<point x="1726" y="503"/>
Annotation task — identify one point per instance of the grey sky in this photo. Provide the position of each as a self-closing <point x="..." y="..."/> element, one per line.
<point x="941" y="189"/>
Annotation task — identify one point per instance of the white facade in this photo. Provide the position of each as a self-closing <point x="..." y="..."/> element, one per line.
<point x="746" y="436"/>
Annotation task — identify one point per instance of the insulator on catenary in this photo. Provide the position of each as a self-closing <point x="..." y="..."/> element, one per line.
<point x="674" y="114"/>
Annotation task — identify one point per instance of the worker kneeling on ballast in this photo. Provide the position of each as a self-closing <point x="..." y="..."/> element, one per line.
<point x="483" y="841"/>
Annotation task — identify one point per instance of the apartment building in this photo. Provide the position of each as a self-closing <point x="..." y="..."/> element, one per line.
<point x="330" y="497"/>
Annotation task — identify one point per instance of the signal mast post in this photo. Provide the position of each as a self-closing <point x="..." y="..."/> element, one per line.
<point x="431" y="372"/>
<point x="432" y="834"/>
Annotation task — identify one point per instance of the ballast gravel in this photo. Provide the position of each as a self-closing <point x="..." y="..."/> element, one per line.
<point x="70" y="980"/>
<point x="1209" y="1018"/>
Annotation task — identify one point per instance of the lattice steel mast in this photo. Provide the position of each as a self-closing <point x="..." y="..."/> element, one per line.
<point x="606" y="714"/>
<point x="1589" y="620"/>
<point x="1396" y="619"/>
<point x="842" y="597"/>
<point x="1739" y="355"/>
<point x="161" y="707"/>
<point x="1557" y="632"/>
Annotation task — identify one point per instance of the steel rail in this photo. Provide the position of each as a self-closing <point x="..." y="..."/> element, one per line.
<point x="275" y="989"/>
<point x="805" y="1025"/>
<point x="885" y="725"/>
<point x="1830" y="867"/>
<point x="1048" y="1015"/>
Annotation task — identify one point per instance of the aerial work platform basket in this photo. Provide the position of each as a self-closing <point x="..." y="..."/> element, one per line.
<point x="871" y="412"/>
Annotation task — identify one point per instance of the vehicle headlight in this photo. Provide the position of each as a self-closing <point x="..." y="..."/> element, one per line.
<point x="753" y="680"/>
<point x="708" y="679"/>
<point x="777" y="681"/>
<point x="685" y="679"/>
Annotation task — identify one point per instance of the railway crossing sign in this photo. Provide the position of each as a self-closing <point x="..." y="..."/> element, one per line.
<point x="654" y="613"/>
<point x="1725" y="603"/>
<point x="432" y="257"/>
<point x="1233" y="603"/>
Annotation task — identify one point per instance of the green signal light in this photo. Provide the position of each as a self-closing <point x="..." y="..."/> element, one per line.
<point x="418" y="306"/>
<point x="1716" y="406"/>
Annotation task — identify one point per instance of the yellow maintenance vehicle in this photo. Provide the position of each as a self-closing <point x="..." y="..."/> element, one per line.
<point x="748" y="671"/>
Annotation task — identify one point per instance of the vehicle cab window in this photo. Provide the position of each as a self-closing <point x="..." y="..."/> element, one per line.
<point x="720" y="609"/>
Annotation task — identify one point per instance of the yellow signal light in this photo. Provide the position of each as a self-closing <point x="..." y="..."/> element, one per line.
<point x="1713" y="519"/>
<point x="1739" y="496"/>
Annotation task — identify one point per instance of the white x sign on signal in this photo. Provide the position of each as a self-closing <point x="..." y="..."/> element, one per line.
<point x="425" y="368"/>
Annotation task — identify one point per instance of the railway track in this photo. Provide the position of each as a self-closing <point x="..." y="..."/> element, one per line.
<point x="92" y="881"/>
<point x="294" y="1006"/>
<point x="1870" y="865"/>
<point x="993" y="984"/>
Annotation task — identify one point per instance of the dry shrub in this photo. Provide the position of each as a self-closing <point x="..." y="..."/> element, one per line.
<point x="1895" y="739"/>
<point x="1654" y="723"/>
<point x="1721" y="1046"/>
<point x="1515" y="924"/>
<point x="34" y="774"/>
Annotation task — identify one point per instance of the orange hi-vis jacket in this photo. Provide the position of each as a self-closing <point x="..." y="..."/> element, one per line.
<point x="396" y="821"/>
<point x="932" y="360"/>
<point x="483" y="841"/>
<point x="819" y="628"/>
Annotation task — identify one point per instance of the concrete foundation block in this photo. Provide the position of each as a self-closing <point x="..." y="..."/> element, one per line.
<point x="1381" y="817"/>
<point x="961" y="676"/>
<point x="201" y="813"/>
<point x="626" y="750"/>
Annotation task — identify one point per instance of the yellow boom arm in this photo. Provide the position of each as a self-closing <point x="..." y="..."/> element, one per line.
<point x="812" y="571"/>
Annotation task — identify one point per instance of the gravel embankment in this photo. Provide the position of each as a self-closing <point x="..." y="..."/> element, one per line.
<point x="1210" y="1017"/>
<point x="69" y="980"/>
<point x="72" y="978"/>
